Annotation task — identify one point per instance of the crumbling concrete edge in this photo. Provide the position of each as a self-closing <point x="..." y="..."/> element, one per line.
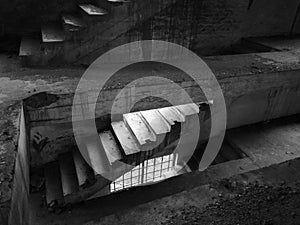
<point x="19" y="213"/>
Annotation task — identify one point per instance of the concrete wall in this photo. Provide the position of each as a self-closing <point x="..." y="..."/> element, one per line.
<point x="18" y="17"/>
<point x="19" y="213"/>
<point x="213" y="25"/>
<point x="267" y="17"/>
<point x="254" y="91"/>
<point x="205" y="26"/>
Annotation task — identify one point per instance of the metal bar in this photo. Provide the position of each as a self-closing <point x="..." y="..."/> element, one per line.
<point x="146" y="176"/>
<point x="161" y="166"/>
<point x="131" y="177"/>
<point x="170" y="160"/>
<point x="154" y="168"/>
<point x="123" y="179"/>
<point x="139" y="173"/>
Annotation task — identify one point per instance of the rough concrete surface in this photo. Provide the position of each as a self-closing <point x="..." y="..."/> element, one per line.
<point x="17" y="83"/>
<point x="270" y="196"/>
<point x="8" y="142"/>
<point x="138" y="205"/>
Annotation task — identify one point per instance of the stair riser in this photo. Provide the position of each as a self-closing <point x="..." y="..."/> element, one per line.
<point x="85" y="173"/>
<point x="68" y="174"/>
<point x="72" y="31"/>
<point x="54" y="193"/>
<point x="92" y="19"/>
<point x="51" y="53"/>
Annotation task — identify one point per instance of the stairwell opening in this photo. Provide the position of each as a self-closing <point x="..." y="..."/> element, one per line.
<point x="57" y="175"/>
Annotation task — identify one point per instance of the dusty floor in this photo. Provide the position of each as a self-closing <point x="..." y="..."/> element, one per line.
<point x="253" y="204"/>
<point x="269" y="196"/>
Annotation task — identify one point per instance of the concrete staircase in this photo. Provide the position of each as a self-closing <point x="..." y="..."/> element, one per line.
<point x="138" y="137"/>
<point x="82" y="35"/>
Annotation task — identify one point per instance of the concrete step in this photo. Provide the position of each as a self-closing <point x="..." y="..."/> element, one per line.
<point x="54" y="191"/>
<point x="30" y="51"/>
<point x="125" y="138"/>
<point x="190" y="113"/>
<point x="52" y="32"/>
<point x="94" y="16"/>
<point x="188" y="109"/>
<point x="142" y="132"/>
<point x="30" y="46"/>
<point x="172" y="115"/>
<point x="98" y="158"/>
<point x="85" y="174"/>
<point x="111" y="147"/>
<point x="69" y="178"/>
<point x="159" y="125"/>
<point x="92" y="10"/>
<point x="156" y="121"/>
<point x="36" y="51"/>
<point x="174" y="118"/>
<point x="73" y="22"/>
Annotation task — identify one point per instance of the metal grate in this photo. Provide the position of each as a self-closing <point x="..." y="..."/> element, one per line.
<point x="149" y="171"/>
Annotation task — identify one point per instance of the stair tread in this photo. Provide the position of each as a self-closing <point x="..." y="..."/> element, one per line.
<point x="139" y="127"/>
<point x="52" y="33"/>
<point x="110" y="146"/>
<point x="85" y="173"/>
<point x="188" y="109"/>
<point x="73" y="20"/>
<point x="68" y="174"/>
<point x="29" y="46"/>
<point x="156" y="121"/>
<point x="125" y="138"/>
<point x="54" y="191"/>
<point x="92" y="10"/>
<point x="172" y="115"/>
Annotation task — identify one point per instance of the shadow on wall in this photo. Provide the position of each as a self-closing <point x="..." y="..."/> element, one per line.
<point x="25" y="16"/>
<point x="211" y="26"/>
<point x="265" y="18"/>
